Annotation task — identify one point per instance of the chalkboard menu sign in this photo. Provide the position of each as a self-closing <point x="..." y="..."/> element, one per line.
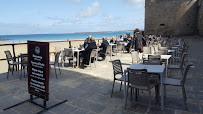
<point x="38" y="69"/>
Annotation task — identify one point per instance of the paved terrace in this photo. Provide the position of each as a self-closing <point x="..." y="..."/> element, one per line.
<point x="88" y="91"/>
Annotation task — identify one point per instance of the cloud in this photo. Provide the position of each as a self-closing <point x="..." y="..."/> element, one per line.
<point x="133" y="1"/>
<point x="139" y="6"/>
<point x="74" y="1"/>
<point x="110" y="19"/>
<point x="90" y="11"/>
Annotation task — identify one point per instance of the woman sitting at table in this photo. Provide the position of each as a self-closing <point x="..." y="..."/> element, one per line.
<point x="86" y="53"/>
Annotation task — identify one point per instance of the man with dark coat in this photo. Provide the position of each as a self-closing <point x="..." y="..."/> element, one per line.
<point x="103" y="46"/>
<point x="86" y="53"/>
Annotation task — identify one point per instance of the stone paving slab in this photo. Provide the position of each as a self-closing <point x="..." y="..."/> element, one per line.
<point x="88" y="91"/>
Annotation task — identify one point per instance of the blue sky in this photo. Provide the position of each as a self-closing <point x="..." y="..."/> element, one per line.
<point x="67" y="16"/>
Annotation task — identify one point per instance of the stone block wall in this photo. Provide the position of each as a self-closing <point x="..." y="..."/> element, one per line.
<point x="200" y="18"/>
<point x="176" y="17"/>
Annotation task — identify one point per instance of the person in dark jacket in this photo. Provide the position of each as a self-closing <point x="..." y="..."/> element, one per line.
<point x="138" y="39"/>
<point x="86" y="41"/>
<point x="103" y="46"/>
<point x="86" y="53"/>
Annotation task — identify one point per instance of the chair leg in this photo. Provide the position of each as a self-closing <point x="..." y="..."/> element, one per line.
<point x="13" y="70"/>
<point x="131" y="94"/>
<point x="184" y="97"/>
<point x="8" y="72"/>
<point x="55" y="71"/>
<point x="94" y="63"/>
<point x="164" y="91"/>
<point x="59" y="68"/>
<point x="157" y="93"/>
<point x="120" y="86"/>
<point x="136" y="93"/>
<point x="126" y="97"/>
<point x="149" y="100"/>
<point x="112" y="87"/>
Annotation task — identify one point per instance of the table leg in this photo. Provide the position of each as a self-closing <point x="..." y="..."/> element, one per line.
<point x="167" y="68"/>
<point x="18" y="63"/>
<point x="111" y="52"/>
<point x="125" y="87"/>
<point x="162" y="98"/>
<point x="78" y="59"/>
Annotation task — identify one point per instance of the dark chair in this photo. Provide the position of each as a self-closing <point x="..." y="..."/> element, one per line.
<point x="139" y="80"/>
<point x="181" y="83"/>
<point x="68" y="54"/>
<point x="11" y="62"/>
<point x="154" y="60"/>
<point x="56" y="62"/>
<point x="24" y="60"/>
<point x="180" y="66"/>
<point x="117" y="70"/>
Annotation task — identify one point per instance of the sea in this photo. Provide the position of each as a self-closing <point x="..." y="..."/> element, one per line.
<point x="59" y="37"/>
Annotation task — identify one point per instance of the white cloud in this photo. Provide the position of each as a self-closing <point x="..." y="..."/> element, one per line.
<point x="139" y="6"/>
<point x="90" y="11"/>
<point x="110" y="19"/>
<point x="133" y="1"/>
<point x="75" y="1"/>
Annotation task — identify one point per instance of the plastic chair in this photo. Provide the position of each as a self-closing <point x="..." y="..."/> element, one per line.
<point x="24" y="63"/>
<point x="117" y="70"/>
<point x="11" y="62"/>
<point x="139" y="80"/>
<point x="68" y="54"/>
<point x="56" y="62"/>
<point x="181" y="83"/>
<point x="92" y="55"/>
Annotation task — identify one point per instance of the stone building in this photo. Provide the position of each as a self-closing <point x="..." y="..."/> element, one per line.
<point x="174" y="17"/>
<point x="200" y="18"/>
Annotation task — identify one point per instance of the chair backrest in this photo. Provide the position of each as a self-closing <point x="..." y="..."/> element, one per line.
<point x="120" y="47"/>
<point x="185" y="72"/>
<point x="57" y="57"/>
<point x="154" y="60"/>
<point x="93" y="53"/>
<point x="108" y="49"/>
<point x="57" y="49"/>
<point x="68" y="52"/>
<point x="117" y="67"/>
<point x="135" y="57"/>
<point x="24" y="58"/>
<point x="146" y="50"/>
<point x="8" y="56"/>
<point x="138" y="77"/>
<point x="156" y="48"/>
<point x="152" y="50"/>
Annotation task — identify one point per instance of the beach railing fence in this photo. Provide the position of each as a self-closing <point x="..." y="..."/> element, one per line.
<point x="14" y="44"/>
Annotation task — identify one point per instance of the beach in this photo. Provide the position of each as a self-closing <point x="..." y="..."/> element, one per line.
<point x="23" y="49"/>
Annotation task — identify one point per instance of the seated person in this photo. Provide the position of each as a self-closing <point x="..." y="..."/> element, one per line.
<point x="103" y="46"/>
<point x="91" y="44"/>
<point x="127" y="47"/>
<point x="86" y="41"/>
<point x="125" y="39"/>
<point x="113" y="41"/>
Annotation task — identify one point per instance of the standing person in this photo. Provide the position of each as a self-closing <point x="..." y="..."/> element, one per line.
<point x="86" y="41"/>
<point x="139" y="40"/>
<point x="103" y="46"/>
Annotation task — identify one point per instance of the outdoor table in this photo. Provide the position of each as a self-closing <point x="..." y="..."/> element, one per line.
<point x="19" y="60"/>
<point x="164" y="57"/>
<point x="154" y="69"/>
<point x="112" y="48"/>
<point x="173" y="54"/>
<point x="78" y="55"/>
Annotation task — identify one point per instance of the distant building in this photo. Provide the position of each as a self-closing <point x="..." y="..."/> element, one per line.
<point x="174" y="17"/>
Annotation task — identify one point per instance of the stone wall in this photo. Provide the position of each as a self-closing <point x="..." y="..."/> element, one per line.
<point x="200" y="18"/>
<point x="176" y="17"/>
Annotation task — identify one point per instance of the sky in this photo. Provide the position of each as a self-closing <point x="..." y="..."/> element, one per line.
<point x="69" y="16"/>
